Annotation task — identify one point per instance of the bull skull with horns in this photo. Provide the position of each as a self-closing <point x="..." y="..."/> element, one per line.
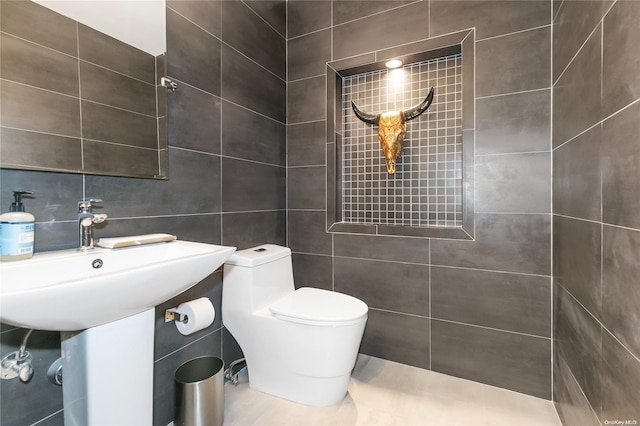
<point x="392" y="128"/>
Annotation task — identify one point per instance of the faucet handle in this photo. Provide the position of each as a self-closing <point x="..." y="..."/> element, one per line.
<point x="85" y="206"/>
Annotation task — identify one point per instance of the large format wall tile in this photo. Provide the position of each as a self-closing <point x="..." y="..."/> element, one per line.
<point x="203" y="228"/>
<point x="512" y="302"/>
<point x="365" y="35"/>
<point x="397" y="337"/>
<point x="312" y="271"/>
<point x="577" y="338"/>
<point x="518" y="122"/>
<point x="621" y="59"/>
<point x="107" y="87"/>
<point x="34" y="65"/>
<point x="53" y="30"/>
<point x="576" y="95"/>
<point x="28" y="108"/>
<point x="347" y="10"/>
<point x="307" y="56"/>
<point x="572" y="406"/>
<point x="498" y="17"/>
<point x="620" y="375"/>
<point x="21" y="147"/>
<point x="513" y="361"/>
<point x="248" y="84"/>
<point x="306" y="232"/>
<point x="391" y="286"/>
<point x="108" y="52"/>
<point x="305" y="16"/>
<point x="504" y="242"/>
<point x="571" y="27"/>
<point x="245" y="31"/>
<point x="513" y="63"/>
<point x="252" y="136"/>
<point x="306" y="187"/>
<point x="250" y="229"/>
<point x="133" y="129"/>
<point x="399" y="249"/>
<point x="193" y="55"/>
<point x="620" y="285"/>
<point x="251" y="186"/>
<point x="306" y="144"/>
<point x="191" y="174"/>
<point x="305" y="100"/>
<point x="576" y="260"/>
<point x="621" y="168"/>
<point x="119" y="160"/>
<point x="205" y="14"/>
<point x="274" y="12"/>
<point x="577" y="176"/>
<point x="194" y="120"/>
<point x="515" y="183"/>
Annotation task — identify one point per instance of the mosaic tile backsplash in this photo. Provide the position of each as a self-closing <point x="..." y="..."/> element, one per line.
<point x="426" y="189"/>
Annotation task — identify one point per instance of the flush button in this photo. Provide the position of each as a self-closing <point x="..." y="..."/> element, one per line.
<point x="260" y="250"/>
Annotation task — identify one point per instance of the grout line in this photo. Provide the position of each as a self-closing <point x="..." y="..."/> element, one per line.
<point x="551" y="279"/>
<point x="264" y="20"/>
<point x="600" y="323"/>
<point x="492" y="328"/>
<point x="219" y="38"/>
<point x="496" y="154"/>
<point x="188" y="344"/>
<point x="500" y="95"/>
<point x="515" y="32"/>
<point x="227" y="100"/>
<point x="312" y="32"/>
<point x="47" y="417"/>
<point x="373" y="14"/>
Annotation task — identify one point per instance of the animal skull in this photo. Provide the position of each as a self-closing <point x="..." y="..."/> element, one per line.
<point x="392" y="128"/>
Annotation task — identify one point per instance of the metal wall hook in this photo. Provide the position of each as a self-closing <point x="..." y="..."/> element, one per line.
<point x="171" y="85"/>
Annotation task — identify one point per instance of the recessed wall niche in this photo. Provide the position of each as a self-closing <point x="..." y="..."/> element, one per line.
<point x="431" y="193"/>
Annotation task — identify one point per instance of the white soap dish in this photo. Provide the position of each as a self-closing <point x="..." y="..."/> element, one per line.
<point x="135" y="240"/>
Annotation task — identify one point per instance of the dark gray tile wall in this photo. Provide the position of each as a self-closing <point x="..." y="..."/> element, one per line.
<point x="226" y="186"/>
<point x="432" y="299"/>
<point x="596" y="231"/>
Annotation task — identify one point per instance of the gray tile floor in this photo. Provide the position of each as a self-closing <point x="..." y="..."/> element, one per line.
<point x="385" y="393"/>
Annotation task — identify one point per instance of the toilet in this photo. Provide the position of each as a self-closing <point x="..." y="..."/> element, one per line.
<point x="300" y="345"/>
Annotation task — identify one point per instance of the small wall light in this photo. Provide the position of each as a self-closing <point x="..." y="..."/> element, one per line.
<point x="394" y="63"/>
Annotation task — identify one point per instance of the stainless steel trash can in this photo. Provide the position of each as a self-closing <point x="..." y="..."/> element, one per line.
<point x="200" y="392"/>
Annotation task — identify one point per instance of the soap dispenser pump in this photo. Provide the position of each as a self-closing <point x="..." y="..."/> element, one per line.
<point x="17" y="230"/>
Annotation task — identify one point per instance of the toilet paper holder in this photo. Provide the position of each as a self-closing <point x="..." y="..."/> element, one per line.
<point x="170" y="315"/>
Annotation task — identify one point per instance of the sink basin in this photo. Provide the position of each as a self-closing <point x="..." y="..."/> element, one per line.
<point x="71" y="290"/>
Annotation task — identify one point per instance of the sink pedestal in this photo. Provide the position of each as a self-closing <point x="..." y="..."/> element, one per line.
<point x="108" y="373"/>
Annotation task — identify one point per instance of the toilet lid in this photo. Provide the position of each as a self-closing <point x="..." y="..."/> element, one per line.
<point x="319" y="306"/>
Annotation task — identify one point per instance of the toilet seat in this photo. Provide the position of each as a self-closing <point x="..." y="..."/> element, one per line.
<point x="320" y="307"/>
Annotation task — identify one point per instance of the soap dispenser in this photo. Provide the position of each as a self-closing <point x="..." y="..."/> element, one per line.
<point x="17" y="230"/>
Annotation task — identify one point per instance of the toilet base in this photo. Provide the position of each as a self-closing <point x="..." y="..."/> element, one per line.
<point x="315" y="391"/>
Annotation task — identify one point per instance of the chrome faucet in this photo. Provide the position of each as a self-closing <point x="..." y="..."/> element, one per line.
<point x="86" y="219"/>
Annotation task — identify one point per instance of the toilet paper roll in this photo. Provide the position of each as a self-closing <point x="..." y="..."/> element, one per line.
<point x="199" y="314"/>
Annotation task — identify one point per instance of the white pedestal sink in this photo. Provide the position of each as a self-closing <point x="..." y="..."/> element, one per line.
<point x="103" y="303"/>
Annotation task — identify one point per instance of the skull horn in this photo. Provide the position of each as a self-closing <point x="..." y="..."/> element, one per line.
<point x="412" y="113"/>
<point x="366" y="117"/>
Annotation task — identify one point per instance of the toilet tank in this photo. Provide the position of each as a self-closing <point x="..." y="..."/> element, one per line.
<point x="254" y="278"/>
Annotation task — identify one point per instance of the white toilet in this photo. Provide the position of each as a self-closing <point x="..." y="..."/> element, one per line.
<point x="299" y="344"/>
